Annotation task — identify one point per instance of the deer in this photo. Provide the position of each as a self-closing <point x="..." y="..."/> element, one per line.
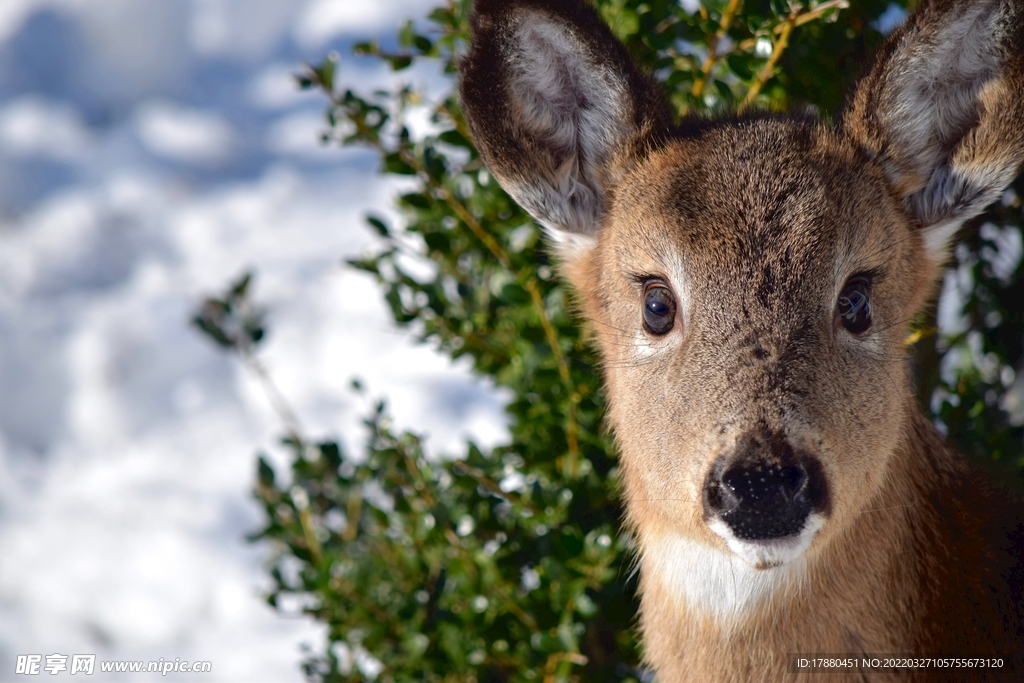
<point x="749" y="280"/>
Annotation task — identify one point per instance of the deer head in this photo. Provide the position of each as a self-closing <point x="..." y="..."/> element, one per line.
<point x="749" y="279"/>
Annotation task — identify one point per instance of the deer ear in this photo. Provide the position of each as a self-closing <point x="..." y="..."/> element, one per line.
<point x="942" y="109"/>
<point x="557" y="109"/>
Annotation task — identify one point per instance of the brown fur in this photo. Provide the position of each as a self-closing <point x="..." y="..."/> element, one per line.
<point x="756" y="224"/>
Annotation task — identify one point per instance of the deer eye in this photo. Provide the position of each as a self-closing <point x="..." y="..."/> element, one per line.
<point x="854" y="305"/>
<point x="659" y="308"/>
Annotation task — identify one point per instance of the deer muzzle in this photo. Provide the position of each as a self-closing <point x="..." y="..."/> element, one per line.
<point x="764" y="490"/>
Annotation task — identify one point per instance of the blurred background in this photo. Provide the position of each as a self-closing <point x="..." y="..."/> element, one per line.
<point x="150" y="151"/>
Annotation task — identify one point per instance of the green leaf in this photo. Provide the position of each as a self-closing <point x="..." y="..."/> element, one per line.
<point x="394" y="163"/>
<point x="379" y="226"/>
<point x="407" y="34"/>
<point x="453" y="137"/>
<point x="422" y="43"/>
<point x="241" y="287"/>
<point x="265" y="473"/>
<point x="399" y="62"/>
<point x="366" y="48"/>
<point x="740" y="65"/>
<point x="416" y="200"/>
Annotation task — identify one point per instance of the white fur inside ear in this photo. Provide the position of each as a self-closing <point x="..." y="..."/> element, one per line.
<point x="575" y="106"/>
<point x="566" y="95"/>
<point x="943" y="94"/>
<point x="931" y="92"/>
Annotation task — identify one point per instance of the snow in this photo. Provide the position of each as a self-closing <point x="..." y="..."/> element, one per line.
<point x="32" y="126"/>
<point x="184" y="134"/>
<point x="321" y="20"/>
<point x="163" y="157"/>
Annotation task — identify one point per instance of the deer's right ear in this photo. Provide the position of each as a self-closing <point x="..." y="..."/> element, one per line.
<point x="557" y="109"/>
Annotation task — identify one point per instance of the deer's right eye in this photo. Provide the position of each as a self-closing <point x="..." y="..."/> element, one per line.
<point x="659" y="308"/>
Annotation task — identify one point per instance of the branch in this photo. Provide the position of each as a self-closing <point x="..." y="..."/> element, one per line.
<point x="723" y="28"/>
<point x="783" y="32"/>
<point x="277" y="400"/>
<point x="554" y="660"/>
<point x="781" y="43"/>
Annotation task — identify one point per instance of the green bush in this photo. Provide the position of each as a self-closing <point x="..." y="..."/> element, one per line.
<point x="509" y="564"/>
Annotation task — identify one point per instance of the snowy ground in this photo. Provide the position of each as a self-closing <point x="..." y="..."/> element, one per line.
<point x="150" y="151"/>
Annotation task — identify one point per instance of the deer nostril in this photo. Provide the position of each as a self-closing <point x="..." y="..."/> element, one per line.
<point x="793" y="480"/>
<point x="760" y="482"/>
<point x="763" y="500"/>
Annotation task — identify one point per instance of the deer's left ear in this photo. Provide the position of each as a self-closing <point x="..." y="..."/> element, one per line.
<point x="943" y="111"/>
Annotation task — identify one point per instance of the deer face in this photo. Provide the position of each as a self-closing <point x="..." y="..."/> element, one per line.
<point x="750" y="290"/>
<point x="749" y="280"/>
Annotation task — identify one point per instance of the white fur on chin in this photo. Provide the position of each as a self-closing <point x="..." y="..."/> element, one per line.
<point x="724" y="584"/>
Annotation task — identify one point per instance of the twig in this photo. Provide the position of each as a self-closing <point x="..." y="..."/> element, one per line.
<point x="559" y="657"/>
<point x="572" y="427"/>
<point x="531" y="286"/>
<point x="492" y="486"/>
<point x="784" y="31"/>
<point x="277" y="400"/>
<point x="723" y="28"/>
<point x="809" y="15"/>
<point x="353" y="511"/>
<point x="312" y="542"/>
<point x="781" y="43"/>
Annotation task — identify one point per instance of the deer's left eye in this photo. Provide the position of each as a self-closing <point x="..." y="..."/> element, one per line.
<point x="659" y="308"/>
<point x="854" y="306"/>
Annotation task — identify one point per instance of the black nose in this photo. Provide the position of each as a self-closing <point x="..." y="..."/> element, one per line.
<point x="763" y="499"/>
<point x="760" y="483"/>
